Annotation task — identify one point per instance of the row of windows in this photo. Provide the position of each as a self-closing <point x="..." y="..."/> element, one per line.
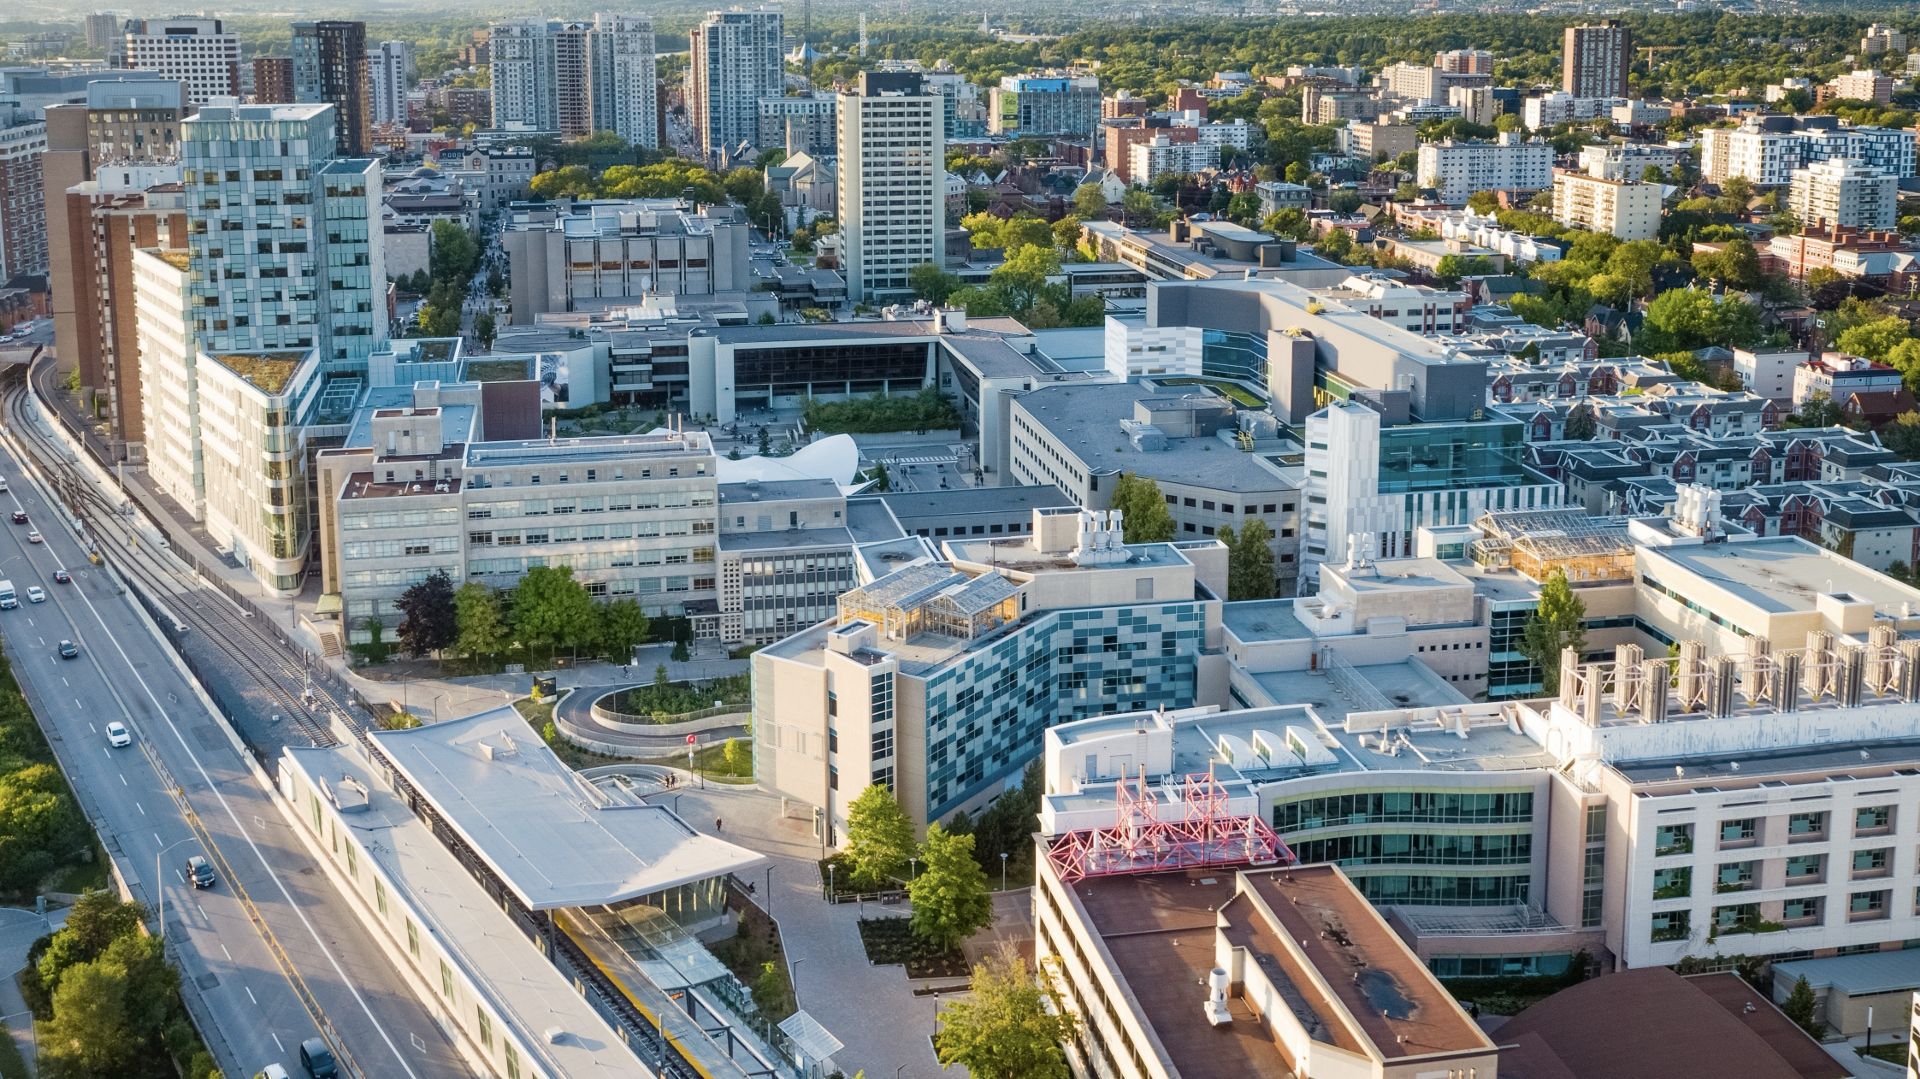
<point x="1418" y="849"/>
<point x="1404" y="807"/>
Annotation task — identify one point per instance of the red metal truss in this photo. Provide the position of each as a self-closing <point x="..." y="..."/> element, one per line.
<point x="1140" y="842"/>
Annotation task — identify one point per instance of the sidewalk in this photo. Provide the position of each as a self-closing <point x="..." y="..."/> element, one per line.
<point x="871" y="1009"/>
<point x="19" y="928"/>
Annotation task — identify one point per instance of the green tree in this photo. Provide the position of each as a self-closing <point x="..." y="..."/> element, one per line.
<point x="623" y="624"/>
<point x="950" y="897"/>
<point x="738" y="757"/>
<point x="551" y="608"/>
<point x="478" y="628"/>
<point x="1337" y="245"/>
<point x="1804" y="1009"/>
<point x="1009" y="1028"/>
<point x="1066" y="234"/>
<point x="1090" y="202"/>
<point x="1025" y="273"/>
<point x="1875" y="340"/>
<point x="1818" y="411"/>
<point x="1559" y="622"/>
<point x="931" y="283"/>
<point x="1902" y="436"/>
<point x="454" y="253"/>
<point x="89" y="1035"/>
<point x="1143" y="510"/>
<point x="1139" y="204"/>
<point x="1483" y="202"/>
<point x="1249" y="561"/>
<point x="485" y="329"/>
<point x="879" y="836"/>
<point x="1581" y="423"/>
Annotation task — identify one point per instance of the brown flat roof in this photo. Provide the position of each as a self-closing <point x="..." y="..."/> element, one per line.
<point x="1801" y="1053"/>
<point x="1380" y="982"/>
<point x="1159" y="928"/>
<point x="1651" y="1023"/>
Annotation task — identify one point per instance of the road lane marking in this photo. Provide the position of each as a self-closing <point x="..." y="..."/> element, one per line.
<point x="156" y="841"/>
<point x="276" y="1042"/>
<point x="250" y="996"/>
<point x="123" y="779"/>
<point x="141" y="808"/>
<point x="223" y="948"/>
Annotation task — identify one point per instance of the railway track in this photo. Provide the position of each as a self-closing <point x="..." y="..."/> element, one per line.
<point x="262" y="657"/>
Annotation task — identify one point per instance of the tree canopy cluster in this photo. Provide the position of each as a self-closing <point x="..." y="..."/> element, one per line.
<point x="105" y="1001"/>
<point x="41" y="829"/>
<point x="548" y="610"/>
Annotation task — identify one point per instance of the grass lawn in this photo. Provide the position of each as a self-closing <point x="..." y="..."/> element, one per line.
<point x="83" y="876"/>
<point x="1229" y="390"/>
<point x="539" y="716"/>
<point x="710" y="760"/>
<point x="891" y="940"/>
<point x="1893" y="1050"/>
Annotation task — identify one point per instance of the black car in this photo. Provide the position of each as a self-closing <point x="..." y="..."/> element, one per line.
<point x="200" y="872"/>
<point x="19" y="517"/>
<point x="318" y="1059"/>
<point x="68" y="650"/>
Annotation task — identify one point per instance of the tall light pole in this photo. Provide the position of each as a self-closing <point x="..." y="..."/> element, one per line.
<point x="1003" y="871"/>
<point x="769" y="899"/>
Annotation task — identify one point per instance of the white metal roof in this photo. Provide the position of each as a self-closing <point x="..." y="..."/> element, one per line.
<point x="548" y="834"/>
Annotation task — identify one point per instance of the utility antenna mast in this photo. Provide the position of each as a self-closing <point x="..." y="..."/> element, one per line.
<point x="863" y="35"/>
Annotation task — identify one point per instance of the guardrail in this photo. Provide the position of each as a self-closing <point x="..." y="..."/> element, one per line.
<point x="280" y="957"/>
<point x="658" y="719"/>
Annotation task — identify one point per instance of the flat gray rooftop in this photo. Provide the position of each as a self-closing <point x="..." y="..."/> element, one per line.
<point x="751" y="491"/>
<point x="1857" y="975"/>
<point x="786" y="539"/>
<point x="544" y="451"/>
<point x="549" y="835"/>
<point x="870" y="522"/>
<point x="526" y="990"/>
<point x="1784" y="574"/>
<point x="1086" y="419"/>
<point x="1744" y="768"/>
<point x="1017" y="553"/>
<point x="911" y="506"/>
<point x="1263" y="620"/>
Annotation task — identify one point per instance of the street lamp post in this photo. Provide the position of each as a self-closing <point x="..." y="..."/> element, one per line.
<point x="769" y="897"/>
<point x="1003" y="871"/>
<point x="830" y="892"/>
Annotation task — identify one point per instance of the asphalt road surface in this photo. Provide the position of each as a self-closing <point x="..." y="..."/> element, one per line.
<point x="123" y="673"/>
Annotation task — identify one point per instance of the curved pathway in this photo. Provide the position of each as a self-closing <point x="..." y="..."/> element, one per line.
<point x="576" y="710"/>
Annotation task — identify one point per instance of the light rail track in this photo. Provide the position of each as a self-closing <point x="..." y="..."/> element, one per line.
<point x="267" y="661"/>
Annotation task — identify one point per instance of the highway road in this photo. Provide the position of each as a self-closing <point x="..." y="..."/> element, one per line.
<point x="123" y="672"/>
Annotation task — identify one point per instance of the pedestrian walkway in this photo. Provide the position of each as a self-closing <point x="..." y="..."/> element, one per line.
<point x="18" y="930"/>
<point x="873" y="1010"/>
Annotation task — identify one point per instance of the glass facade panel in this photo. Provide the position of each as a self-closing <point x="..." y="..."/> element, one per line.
<point x="1449" y="456"/>
<point x="1234" y="355"/>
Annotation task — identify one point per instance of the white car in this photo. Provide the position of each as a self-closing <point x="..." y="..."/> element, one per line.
<point x="35" y="595"/>
<point x="118" y="736"/>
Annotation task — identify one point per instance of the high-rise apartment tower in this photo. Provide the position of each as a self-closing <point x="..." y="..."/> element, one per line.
<point x="893" y="180"/>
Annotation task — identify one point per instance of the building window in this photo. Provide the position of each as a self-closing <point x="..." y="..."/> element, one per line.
<point x="883" y="777"/>
<point x="446" y="980"/>
<point x="1670" y="925"/>
<point x="413" y="938"/>
<point x="380" y="896"/>
<point x="485" y="1024"/>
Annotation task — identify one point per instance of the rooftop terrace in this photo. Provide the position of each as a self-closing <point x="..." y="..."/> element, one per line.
<point x="270" y="371"/>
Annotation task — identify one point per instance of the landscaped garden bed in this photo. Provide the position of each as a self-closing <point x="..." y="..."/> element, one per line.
<point x="891" y="940"/>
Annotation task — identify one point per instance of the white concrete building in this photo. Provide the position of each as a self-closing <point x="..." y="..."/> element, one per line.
<point x="387" y="71"/>
<point x="1767" y="158"/>
<point x="1628" y="161"/>
<point x="620" y="78"/>
<point x="1148" y="161"/>
<point x="1768" y="372"/>
<point x="1561" y="107"/>
<point x="168" y="391"/>
<point x="736" y="61"/>
<point x="199" y="52"/>
<point x="525" y="74"/>
<point x="1458" y="169"/>
<point x="1845" y="191"/>
<point x="892" y="188"/>
<point x="1627" y="209"/>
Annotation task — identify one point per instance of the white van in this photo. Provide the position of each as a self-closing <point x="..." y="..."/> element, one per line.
<point x="8" y="601"/>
